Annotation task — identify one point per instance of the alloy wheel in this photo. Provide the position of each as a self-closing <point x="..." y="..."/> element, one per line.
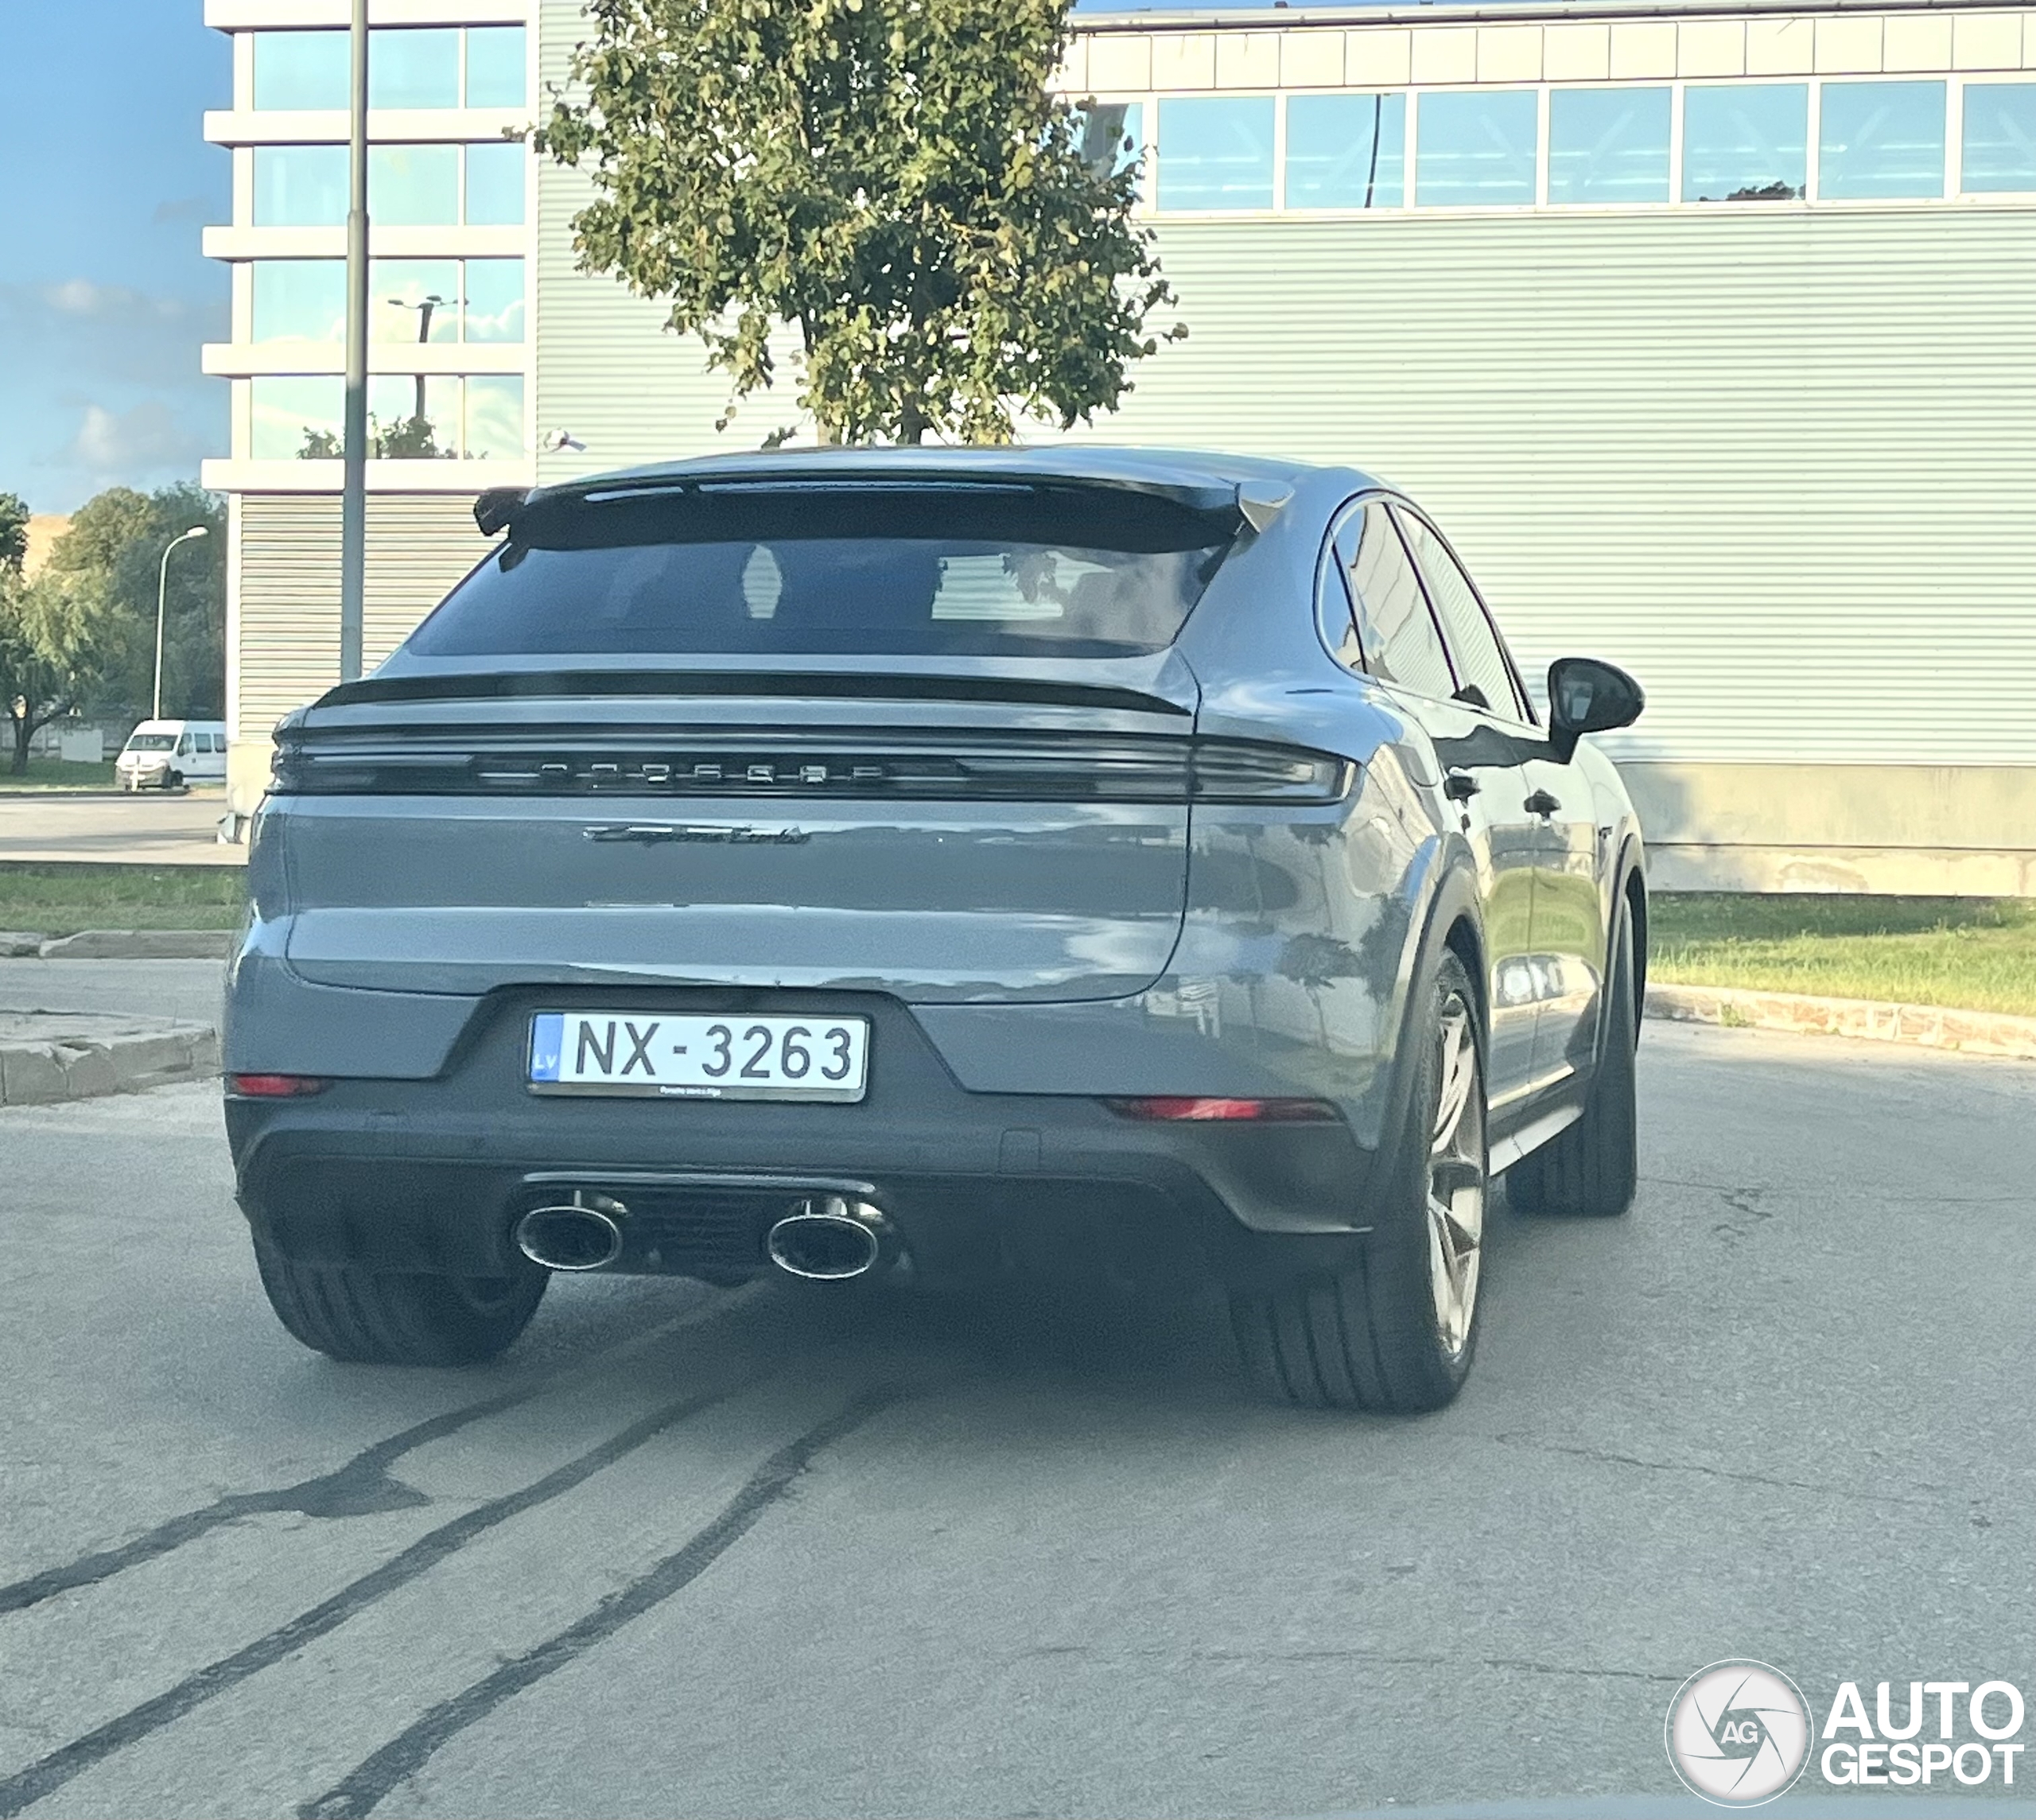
<point x="1456" y="1176"/>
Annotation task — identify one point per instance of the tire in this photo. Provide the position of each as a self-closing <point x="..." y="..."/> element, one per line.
<point x="174" y="781"/>
<point x="1396" y="1332"/>
<point x="1592" y="1168"/>
<point x="368" y="1317"/>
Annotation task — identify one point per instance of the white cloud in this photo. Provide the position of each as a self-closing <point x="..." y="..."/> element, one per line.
<point x="134" y="446"/>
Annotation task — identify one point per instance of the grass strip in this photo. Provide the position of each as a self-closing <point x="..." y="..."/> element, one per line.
<point x="1970" y="954"/>
<point x="61" y="900"/>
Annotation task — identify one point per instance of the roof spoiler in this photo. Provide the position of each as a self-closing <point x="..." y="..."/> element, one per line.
<point x="1254" y="503"/>
<point x="496" y="508"/>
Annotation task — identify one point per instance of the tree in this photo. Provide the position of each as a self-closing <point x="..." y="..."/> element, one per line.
<point x="14" y="531"/>
<point x="890" y="178"/>
<point x="59" y="634"/>
<point x="82" y="634"/>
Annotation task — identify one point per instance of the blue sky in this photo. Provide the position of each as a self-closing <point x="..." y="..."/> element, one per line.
<point x="105" y="298"/>
<point x="105" y="184"/>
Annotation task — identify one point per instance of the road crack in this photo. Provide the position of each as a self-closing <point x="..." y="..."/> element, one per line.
<point x="363" y="1486"/>
<point x="1606" y="1457"/>
<point x="51" y="1772"/>
<point x="365" y="1786"/>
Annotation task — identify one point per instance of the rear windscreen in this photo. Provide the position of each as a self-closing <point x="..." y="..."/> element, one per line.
<point x="836" y="569"/>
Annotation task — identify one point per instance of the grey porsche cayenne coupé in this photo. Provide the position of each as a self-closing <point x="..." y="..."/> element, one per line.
<point x="941" y="867"/>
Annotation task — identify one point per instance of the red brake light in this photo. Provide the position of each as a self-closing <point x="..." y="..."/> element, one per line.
<point x="275" y="1086"/>
<point x="1175" y="1106"/>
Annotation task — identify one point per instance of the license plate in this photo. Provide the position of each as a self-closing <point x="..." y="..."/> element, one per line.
<point x="662" y="1057"/>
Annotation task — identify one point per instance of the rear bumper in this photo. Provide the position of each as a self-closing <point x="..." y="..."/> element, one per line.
<point x="432" y="1175"/>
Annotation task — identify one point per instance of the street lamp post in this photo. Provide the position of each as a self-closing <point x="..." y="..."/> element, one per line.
<point x="424" y="310"/>
<point x="162" y="586"/>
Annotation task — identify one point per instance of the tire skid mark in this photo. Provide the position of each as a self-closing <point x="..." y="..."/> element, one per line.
<point x="48" y="1773"/>
<point x="361" y="1488"/>
<point x="371" y="1780"/>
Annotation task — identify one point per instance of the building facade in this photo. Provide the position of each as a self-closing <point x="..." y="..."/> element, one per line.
<point x="1708" y="332"/>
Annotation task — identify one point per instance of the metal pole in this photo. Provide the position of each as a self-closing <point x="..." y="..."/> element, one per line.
<point x="162" y="587"/>
<point x="353" y="501"/>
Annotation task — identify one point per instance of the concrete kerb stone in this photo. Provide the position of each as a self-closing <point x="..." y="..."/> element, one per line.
<point x="1924" y="1026"/>
<point x="139" y="945"/>
<point x="49" y="1057"/>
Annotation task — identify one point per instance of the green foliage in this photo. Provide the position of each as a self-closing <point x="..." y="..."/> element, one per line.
<point x="406" y="439"/>
<point x="890" y="178"/>
<point x="1975" y="953"/>
<point x="82" y="634"/>
<point x="14" y="531"/>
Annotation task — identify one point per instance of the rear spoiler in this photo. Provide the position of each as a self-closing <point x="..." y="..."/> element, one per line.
<point x="1253" y="504"/>
<point x="825" y="685"/>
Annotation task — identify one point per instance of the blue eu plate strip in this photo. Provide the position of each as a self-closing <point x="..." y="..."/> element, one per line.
<point x="547" y="1040"/>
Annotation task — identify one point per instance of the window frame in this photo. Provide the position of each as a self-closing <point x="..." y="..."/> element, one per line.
<point x="1399" y="508"/>
<point x="1332" y="558"/>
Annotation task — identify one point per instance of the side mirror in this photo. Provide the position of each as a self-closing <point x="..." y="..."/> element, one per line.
<point x="1586" y="696"/>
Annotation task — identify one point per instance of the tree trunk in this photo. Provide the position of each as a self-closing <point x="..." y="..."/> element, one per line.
<point x="911" y="422"/>
<point x="23" y="731"/>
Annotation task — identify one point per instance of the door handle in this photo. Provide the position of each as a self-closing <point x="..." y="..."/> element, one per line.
<point x="1541" y="803"/>
<point x="1460" y="786"/>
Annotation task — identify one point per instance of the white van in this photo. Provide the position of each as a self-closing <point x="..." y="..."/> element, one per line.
<point x="167" y="755"/>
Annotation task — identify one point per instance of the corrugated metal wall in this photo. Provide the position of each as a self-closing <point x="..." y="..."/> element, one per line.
<point x="418" y="546"/>
<point x="1783" y="466"/>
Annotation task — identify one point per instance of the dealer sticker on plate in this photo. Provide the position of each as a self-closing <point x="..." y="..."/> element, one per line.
<point x="691" y="1057"/>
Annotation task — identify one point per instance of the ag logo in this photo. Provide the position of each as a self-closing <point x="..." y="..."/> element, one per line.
<point x="1739" y="1733"/>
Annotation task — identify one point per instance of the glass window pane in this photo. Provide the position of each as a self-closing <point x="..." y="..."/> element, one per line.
<point x="1747" y="144"/>
<point x="495" y="184"/>
<point x="1476" y="148"/>
<point x="414" y="417"/>
<point x="1396" y="630"/>
<point x="297" y="418"/>
<point x="495" y="417"/>
<point x="1473" y="644"/>
<point x="495" y="300"/>
<point x="299" y="300"/>
<point x="1216" y="151"/>
<point x="1608" y="145"/>
<point x="413" y="300"/>
<point x="2000" y="136"/>
<point x="300" y="186"/>
<point x="495" y="67"/>
<point x="413" y="68"/>
<point x="1110" y="134"/>
<point x="1880" y="138"/>
<point x="1346" y="151"/>
<point x="301" y="69"/>
<point x="412" y="186"/>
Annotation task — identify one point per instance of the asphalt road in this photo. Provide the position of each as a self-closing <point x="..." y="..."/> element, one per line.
<point x="187" y="990"/>
<point x="685" y="1552"/>
<point x="146" y="829"/>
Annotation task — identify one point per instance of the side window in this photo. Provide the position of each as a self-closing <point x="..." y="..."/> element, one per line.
<point x="1472" y="642"/>
<point x="1394" y="626"/>
<point x="1339" y="629"/>
<point x="183" y="747"/>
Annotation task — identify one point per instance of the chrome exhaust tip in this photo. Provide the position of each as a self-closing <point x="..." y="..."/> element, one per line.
<point x="583" y="1234"/>
<point x="829" y="1239"/>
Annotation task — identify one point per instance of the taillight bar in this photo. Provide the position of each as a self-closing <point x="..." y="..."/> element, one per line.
<point x="1121" y="769"/>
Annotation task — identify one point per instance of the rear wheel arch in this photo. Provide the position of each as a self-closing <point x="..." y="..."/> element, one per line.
<point x="1633" y="891"/>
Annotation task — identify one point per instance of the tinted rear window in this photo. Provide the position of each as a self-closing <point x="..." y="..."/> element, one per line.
<point x="847" y="570"/>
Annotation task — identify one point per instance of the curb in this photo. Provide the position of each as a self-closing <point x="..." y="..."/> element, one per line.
<point x="48" y="1058"/>
<point x="120" y="945"/>
<point x="1921" y="1026"/>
